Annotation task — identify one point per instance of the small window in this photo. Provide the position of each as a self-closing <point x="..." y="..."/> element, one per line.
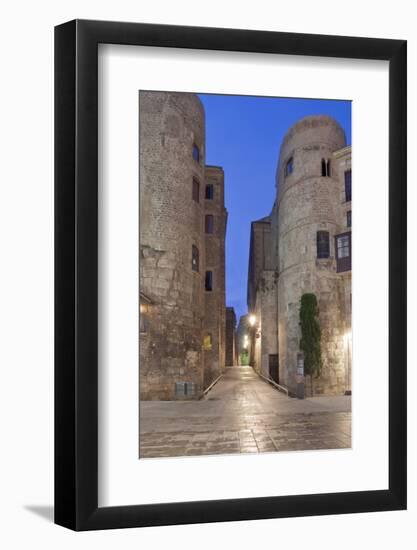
<point x="343" y="252"/>
<point x="195" y="262"/>
<point x="325" y="168"/>
<point x="196" y="190"/>
<point x="209" y="223"/>
<point x="289" y="167"/>
<point x="348" y="185"/>
<point x="209" y="191"/>
<point x="185" y="388"/>
<point x="343" y="246"/>
<point x="349" y="218"/>
<point x="323" y="244"/>
<point x="207" y="342"/>
<point x="209" y="281"/>
<point x="196" y="153"/>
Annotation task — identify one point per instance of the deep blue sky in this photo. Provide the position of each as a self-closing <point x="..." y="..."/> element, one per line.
<point x="244" y="135"/>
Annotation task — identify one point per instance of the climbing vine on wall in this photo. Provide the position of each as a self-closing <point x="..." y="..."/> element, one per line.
<point x="310" y="342"/>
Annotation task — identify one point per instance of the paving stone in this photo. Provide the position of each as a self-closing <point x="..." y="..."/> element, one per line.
<point x="246" y="416"/>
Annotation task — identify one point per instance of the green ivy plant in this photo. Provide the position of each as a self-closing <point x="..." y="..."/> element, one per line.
<point x="310" y="343"/>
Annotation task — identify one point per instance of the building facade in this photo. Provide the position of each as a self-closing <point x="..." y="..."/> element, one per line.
<point x="242" y="339"/>
<point x="214" y="323"/>
<point x="181" y="257"/>
<point x="231" y="344"/>
<point x="262" y="298"/>
<point x="306" y="248"/>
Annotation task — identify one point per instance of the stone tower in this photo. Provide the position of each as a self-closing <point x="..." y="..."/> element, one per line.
<point x="310" y="213"/>
<point x="215" y="220"/>
<point x="172" y="248"/>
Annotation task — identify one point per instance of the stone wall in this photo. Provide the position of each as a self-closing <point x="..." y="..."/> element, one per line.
<point x="308" y="202"/>
<point x="241" y="332"/>
<point x="264" y="334"/>
<point x="284" y="262"/>
<point x="260" y="256"/>
<point x="231" y="351"/>
<point x="214" y="322"/>
<point x="172" y="125"/>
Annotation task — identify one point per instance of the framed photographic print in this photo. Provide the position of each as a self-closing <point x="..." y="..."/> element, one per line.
<point x="230" y="339"/>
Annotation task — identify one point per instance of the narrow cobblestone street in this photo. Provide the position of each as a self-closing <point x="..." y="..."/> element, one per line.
<point x="243" y="414"/>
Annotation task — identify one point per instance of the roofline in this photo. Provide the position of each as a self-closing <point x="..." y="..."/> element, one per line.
<point x="214" y="166"/>
<point x="342" y="151"/>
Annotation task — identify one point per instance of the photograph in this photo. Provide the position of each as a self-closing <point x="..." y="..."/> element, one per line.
<point x="201" y="346"/>
<point x="245" y="277"/>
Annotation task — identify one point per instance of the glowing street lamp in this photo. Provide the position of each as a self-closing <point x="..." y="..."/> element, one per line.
<point x="252" y="320"/>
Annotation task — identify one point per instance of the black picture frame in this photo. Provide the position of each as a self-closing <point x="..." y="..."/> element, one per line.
<point x="76" y="272"/>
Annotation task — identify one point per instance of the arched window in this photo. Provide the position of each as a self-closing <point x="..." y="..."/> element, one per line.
<point x="325" y="168"/>
<point x="289" y="167"/>
<point x="209" y="223"/>
<point x="323" y="244"/>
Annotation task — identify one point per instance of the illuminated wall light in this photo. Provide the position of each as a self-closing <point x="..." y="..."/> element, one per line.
<point x="347" y="337"/>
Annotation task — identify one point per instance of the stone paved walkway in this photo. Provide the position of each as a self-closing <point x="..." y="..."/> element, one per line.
<point x="243" y="414"/>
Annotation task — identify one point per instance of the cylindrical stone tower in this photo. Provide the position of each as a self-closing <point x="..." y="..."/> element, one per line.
<point x="172" y="262"/>
<point x="308" y="214"/>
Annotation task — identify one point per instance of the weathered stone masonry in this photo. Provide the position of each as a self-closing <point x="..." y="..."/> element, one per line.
<point x="231" y="344"/>
<point x="175" y="251"/>
<point x="215" y="220"/>
<point x="309" y="251"/>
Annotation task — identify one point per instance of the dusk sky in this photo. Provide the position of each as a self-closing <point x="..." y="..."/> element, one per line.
<point x="243" y="135"/>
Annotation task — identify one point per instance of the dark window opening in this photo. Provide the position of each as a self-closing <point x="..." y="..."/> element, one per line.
<point x="209" y="223"/>
<point x="349" y="218"/>
<point x="209" y="280"/>
<point x="289" y="167"/>
<point x="348" y="185"/>
<point x="209" y="191"/>
<point x="274" y="368"/>
<point x="323" y="244"/>
<point x="196" y="190"/>
<point x="195" y="262"/>
<point x="343" y="252"/>
<point x="325" y="168"/>
<point x="196" y="153"/>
